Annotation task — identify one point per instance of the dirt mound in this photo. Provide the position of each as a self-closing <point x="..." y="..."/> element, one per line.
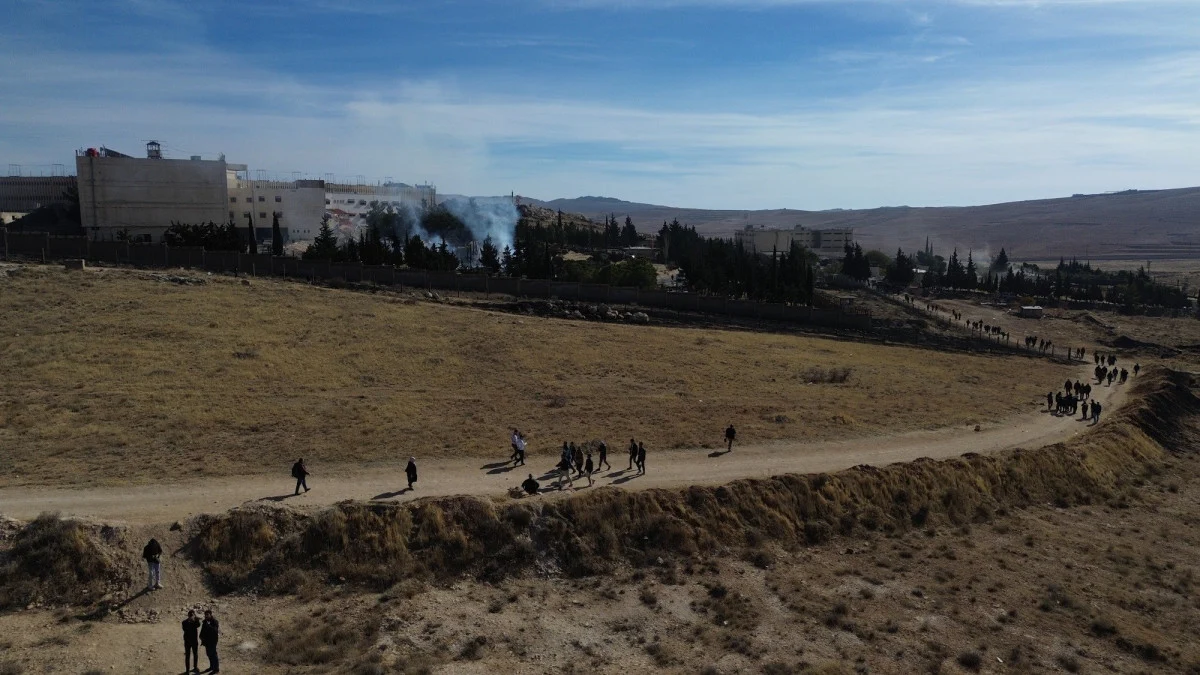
<point x="1128" y="343"/>
<point x="1087" y="318"/>
<point x="55" y="561"/>
<point x="377" y="544"/>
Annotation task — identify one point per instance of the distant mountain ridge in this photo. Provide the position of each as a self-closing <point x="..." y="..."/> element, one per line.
<point x="1130" y="225"/>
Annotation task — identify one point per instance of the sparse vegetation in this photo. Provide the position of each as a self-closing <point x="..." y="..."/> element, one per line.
<point x="238" y="380"/>
<point x="55" y="560"/>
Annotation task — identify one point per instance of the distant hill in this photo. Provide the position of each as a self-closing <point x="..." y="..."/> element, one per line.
<point x="1131" y="225"/>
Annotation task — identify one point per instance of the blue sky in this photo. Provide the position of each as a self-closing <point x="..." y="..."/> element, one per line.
<point x="737" y="104"/>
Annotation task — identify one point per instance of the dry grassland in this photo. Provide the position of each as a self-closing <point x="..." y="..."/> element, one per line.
<point x="118" y="376"/>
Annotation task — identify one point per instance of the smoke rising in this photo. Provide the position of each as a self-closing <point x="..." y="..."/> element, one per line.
<point x="494" y="217"/>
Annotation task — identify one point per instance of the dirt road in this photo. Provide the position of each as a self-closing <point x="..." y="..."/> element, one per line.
<point x="667" y="468"/>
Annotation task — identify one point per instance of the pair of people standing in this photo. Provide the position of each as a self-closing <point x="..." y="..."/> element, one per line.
<point x="518" y="447"/>
<point x="195" y="633"/>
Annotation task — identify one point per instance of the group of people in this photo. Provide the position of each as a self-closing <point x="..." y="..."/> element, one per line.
<point x="1104" y="373"/>
<point x="1068" y="402"/>
<point x="576" y="462"/>
<point x="195" y="631"/>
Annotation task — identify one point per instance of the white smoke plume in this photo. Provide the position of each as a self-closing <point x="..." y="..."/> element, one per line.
<point x="494" y="217"/>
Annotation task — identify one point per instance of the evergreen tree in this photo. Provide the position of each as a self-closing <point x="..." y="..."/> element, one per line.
<point x="252" y="241"/>
<point x="507" y="262"/>
<point x="1000" y="264"/>
<point x="629" y="233"/>
<point x="324" y="246"/>
<point x="489" y="257"/>
<point x="971" y="275"/>
<point x="276" y="235"/>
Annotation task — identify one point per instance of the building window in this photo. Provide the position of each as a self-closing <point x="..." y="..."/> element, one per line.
<point x="249" y="199"/>
<point x="231" y="216"/>
<point x="326" y="202"/>
<point x="262" y="215"/>
<point x="233" y="200"/>
<point x="245" y="214"/>
<point x="278" y="199"/>
<point x="262" y="198"/>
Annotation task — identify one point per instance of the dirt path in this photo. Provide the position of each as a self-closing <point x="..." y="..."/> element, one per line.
<point x="667" y="468"/>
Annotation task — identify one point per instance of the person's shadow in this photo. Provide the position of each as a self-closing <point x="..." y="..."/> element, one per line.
<point x="719" y="453"/>
<point x="493" y="465"/>
<point x="277" y="498"/>
<point x="501" y="468"/>
<point x="626" y="479"/>
<point x="389" y="495"/>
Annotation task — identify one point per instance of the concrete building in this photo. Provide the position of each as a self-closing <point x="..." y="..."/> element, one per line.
<point x="300" y="204"/>
<point x="23" y="194"/>
<point x="825" y="243"/>
<point x="120" y="195"/>
<point x="347" y="205"/>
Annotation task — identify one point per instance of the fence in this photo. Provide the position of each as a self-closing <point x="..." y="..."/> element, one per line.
<point x="45" y="247"/>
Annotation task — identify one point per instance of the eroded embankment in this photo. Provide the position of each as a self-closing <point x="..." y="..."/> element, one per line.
<point x="378" y="544"/>
<point x="375" y="545"/>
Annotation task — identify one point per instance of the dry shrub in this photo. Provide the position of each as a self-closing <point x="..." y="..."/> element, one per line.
<point x="378" y="544"/>
<point x="832" y="375"/>
<point x="320" y="638"/>
<point x="232" y="545"/>
<point x="53" y="560"/>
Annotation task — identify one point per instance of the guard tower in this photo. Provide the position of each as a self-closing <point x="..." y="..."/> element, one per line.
<point x="153" y="150"/>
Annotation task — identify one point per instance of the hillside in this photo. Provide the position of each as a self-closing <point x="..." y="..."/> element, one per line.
<point x="1132" y="225"/>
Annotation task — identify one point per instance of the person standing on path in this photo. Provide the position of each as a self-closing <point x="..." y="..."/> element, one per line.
<point x="730" y="434"/>
<point x="210" y="630"/>
<point x="191" y="642"/>
<point x="152" y="554"/>
<point x="516" y="436"/>
<point x="603" y="456"/>
<point x="588" y="468"/>
<point x="411" y="471"/>
<point x="633" y="450"/>
<point x="1096" y="412"/>
<point x="300" y="473"/>
<point x="1136" y="368"/>
<point x="641" y="457"/>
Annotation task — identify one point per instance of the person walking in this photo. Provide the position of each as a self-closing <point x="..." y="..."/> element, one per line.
<point x="730" y="434"/>
<point x="516" y="436"/>
<point x="577" y="459"/>
<point x="1136" y="368"/>
<point x="411" y="471"/>
<point x="641" y="457"/>
<point x="152" y="554"/>
<point x="191" y="642"/>
<point x="603" y="457"/>
<point x="587" y="468"/>
<point x="633" y="450"/>
<point x="210" y="630"/>
<point x="1096" y="408"/>
<point x="1050" y="401"/>
<point x="300" y="473"/>
<point x="519" y="444"/>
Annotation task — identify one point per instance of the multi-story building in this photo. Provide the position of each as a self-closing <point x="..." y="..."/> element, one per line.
<point x="139" y="198"/>
<point x="825" y="243"/>
<point x="299" y="203"/>
<point x="348" y="205"/>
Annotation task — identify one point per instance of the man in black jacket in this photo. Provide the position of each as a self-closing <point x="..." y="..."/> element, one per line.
<point x="209" y="632"/>
<point x="191" y="643"/>
<point x="300" y="473"/>
<point x="152" y="554"/>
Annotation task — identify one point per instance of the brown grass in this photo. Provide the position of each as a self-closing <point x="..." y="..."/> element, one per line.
<point x="379" y="544"/>
<point x="112" y="378"/>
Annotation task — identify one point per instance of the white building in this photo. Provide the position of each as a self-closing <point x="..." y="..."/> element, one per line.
<point x="347" y="205"/>
<point x="825" y="243"/>
<point x="300" y="204"/>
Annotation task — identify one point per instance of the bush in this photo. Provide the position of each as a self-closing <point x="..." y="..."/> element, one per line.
<point x="970" y="660"/>
<point x="56" y="561"/>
